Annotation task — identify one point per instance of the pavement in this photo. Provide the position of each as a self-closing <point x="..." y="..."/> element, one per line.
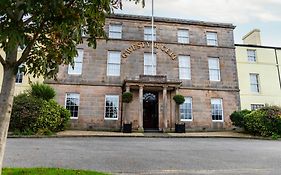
<point x="221" y="134"/>
<point x="202" y="134"/>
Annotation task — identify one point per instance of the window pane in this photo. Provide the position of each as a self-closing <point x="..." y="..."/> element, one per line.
<point x="148" y="33"/>
<point x="212" y="38"/>
<point x="149" y="64"/>
<point x="214" y="69"/>
<point x="183" y="36"/>
<point x="78" y="61"/>
<point x="111" y="107"/>
<point x="186" y="109"/>
<point x="113" y="63"/>
<point x="254" y="83"/>
<point x="184" y="67"/>
<point x="115" y="31"/>
<point x="216" y="109"/>
<point x="256" y="106"/>
<point x="72" y="104"/>
<point x="251" y="55"/>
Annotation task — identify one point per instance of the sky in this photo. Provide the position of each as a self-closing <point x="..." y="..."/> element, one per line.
<point x="246" y="15"/>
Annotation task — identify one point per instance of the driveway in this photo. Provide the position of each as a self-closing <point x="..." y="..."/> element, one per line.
<point x="211" y="156"/>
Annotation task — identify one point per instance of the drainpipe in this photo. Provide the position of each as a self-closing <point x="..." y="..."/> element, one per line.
<point x="277" y="65"/>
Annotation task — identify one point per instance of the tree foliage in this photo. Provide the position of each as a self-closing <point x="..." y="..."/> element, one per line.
<point x="48" y="31"/>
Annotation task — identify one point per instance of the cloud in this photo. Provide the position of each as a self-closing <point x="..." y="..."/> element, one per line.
<point x="245" y="14"/>
<point x="234" y="11"/>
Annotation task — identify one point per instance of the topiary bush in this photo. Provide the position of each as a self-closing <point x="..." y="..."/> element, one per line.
<point x="237" y="117"/>
<point x="265" y="121"/>
<point x="127" y="97"/>
<point x="179" y="99"/>
<point x="32" y="115"/>
<point x="42" y="91"/>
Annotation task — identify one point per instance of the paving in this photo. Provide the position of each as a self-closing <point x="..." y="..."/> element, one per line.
<point x="206" y="134"/>
<point x="221" y="134"/>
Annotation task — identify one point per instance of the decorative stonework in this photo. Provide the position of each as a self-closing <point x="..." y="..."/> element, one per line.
<point x="140" y="45"/>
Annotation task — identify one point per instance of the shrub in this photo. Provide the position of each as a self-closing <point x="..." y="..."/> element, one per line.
<point x="237" y="117"/>
<point x="24" y="113"/>
<point x="32" y="115"/>
<point x="265" y="121"/>
<point x="127" y="97"/>
<point x="42" y="91"/>
<point x="179" y="99"/>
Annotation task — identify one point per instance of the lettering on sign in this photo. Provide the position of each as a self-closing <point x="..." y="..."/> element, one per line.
<point x="140" y="45"/>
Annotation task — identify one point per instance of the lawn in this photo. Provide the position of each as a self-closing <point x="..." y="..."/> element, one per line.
<point x="47" y="171"/>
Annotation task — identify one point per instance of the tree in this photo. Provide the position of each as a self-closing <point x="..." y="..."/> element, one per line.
<point x="47" y="31"/>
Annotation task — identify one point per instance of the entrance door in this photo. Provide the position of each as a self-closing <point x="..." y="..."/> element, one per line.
<point x="150" y="111"/>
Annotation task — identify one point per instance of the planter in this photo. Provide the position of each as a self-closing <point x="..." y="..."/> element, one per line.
<point x="180" y="127"/>
<point x="127" y="128"/>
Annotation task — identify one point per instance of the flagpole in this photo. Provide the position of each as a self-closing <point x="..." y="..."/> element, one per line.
<point x="152" y="30"/>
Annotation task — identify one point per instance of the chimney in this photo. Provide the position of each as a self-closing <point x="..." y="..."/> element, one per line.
<point x="252" y="37"/>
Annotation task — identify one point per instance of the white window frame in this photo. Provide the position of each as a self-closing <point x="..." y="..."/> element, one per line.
<point x="149" y="64"/>
<point x="213" y="101"/>
<point x="183" y="36"/>
<point x="78" y="63"/>
<point x="256" y="83"/>
<point x="252" y="55"/>
<point x="212" y="38"/>
<point x="214" y="69"/>
<point x="187" y="100"/>
<point x="184" y="67"/>
<point x="20" y="75"/>
<point x="255" y="106"/>
<point x="105" y="107"/>
<point x="113" y="63"/>
<point x="148" y="33"/>
<point x="75" y="95"/>
<point x="115" y="31"/>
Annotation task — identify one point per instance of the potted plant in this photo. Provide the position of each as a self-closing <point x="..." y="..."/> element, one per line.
<point x="127" y="97"/>
<point x="179" y="127"/>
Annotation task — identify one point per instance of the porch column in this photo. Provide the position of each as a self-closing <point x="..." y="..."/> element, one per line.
<point x="141" y="108"/>
<point x="165" y="107"/>
<point x="177" y="118"/>
<point x="125" y="108"/>
<point x="127" y="88"/>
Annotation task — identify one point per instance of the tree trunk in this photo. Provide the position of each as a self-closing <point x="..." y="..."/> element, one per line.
<point x="6" y="102"/>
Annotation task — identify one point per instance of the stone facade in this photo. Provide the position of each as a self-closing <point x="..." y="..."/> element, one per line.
<point x="93" y="83"/>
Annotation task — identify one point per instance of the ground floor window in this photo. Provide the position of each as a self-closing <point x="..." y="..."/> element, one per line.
<point x="72" y="101"/>
<point x="217" y="110"/>
<point x="19" y="76"/>
<point x="186" y="109"/>
<point x="111" y="107"/>
<point x="256" y="106"/>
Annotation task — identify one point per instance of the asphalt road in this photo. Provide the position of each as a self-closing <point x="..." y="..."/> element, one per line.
<point x="208" y="156"/>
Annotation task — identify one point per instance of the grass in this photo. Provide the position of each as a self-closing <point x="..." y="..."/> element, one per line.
<point x="47" y="171"/>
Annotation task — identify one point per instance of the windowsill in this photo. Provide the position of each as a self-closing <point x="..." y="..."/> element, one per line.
<point x="216" y="81"/>
<point x="73" y="118"/>
<point x="184" y="43"/>
<point x="114" y="119"/>
<point x="219" y="121"/>
<point x="74" y="74"/>
<point x="113" y="75"/>
<point x="115" y="38"/>
<point x="186" y="120"/>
